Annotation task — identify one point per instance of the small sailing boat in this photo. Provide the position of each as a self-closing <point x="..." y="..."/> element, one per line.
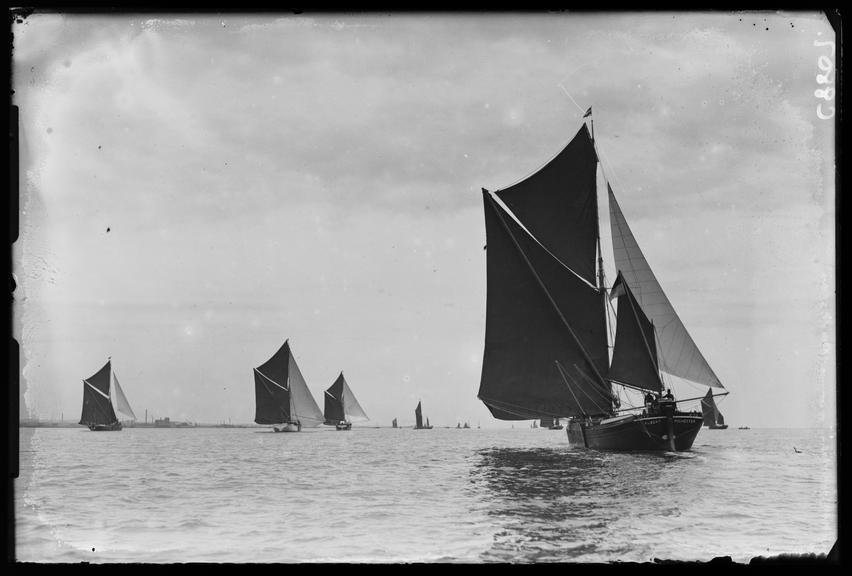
<point x="100" y="399"/>
<point x="743" y="428"/>
<point x="393" y="424"/>
<point x="282" y="396"/>
<point x="548" y="306"/>
<point x="466" y="425"/>
<point x="418" y="417"/>
<point x="713" y="419"/>
<point x="341" y="407"/>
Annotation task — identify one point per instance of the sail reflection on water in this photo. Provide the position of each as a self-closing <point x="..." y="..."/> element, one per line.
<point x="557" y="504"/>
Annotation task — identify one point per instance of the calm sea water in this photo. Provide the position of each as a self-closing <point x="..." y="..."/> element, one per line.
<point x="441" y="495"/>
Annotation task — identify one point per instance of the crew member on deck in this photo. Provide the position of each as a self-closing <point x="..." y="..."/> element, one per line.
<point x="669" y="395"/>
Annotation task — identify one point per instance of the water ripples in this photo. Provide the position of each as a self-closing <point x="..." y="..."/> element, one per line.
<point x="384" y="495"/>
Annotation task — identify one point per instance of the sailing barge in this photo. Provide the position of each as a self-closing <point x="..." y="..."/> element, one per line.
<point x="98" y="402"/>
<point x="282" y="398"/>
<point x="341" y="407"/>
<point x="548" y="306"/>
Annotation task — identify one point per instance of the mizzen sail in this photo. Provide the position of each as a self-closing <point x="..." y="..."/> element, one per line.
<point x="678" y="353"/>
<point x="418" y="416"/>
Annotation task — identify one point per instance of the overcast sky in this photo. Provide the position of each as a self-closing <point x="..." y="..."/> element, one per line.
<point x="197" y="189"/>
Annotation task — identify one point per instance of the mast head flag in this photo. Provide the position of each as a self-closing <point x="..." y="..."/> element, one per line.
<point x="588" y="112"/>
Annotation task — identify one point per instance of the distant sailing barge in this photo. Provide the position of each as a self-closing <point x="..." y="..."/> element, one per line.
<point x="546" y="338"/>
<point x="418" y="419"/>
<point x="98" y="403"/>
<point x="282" y="398"/>
<point x="341" y="406"/>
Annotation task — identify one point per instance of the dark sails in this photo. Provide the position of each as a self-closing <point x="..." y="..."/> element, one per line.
<point x="542" y="307"/>
<point x="272" y="390"/>
<point x="634" y="355"/>
<point x="418" y="416"/>
<point x="712" y="416"/>
<point x="341" y="404"/>
<point x="97" y="406"/>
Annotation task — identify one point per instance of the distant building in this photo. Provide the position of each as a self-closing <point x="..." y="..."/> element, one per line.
<point x="163" y="423"/>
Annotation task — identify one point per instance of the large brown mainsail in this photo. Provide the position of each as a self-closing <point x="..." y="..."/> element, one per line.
<point x="272" y="388"/>
<point x="538" y="312"/>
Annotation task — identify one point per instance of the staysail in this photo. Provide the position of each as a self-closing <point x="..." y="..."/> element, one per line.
<point x="538" y="313"/>
<point x="303" y="407"/>
<point x="634" y="355"/>
<point x="678" y="353"/>
<point x="97" y="407"/>
<point x="121" y="400"/>
<point x="341" y="404"/>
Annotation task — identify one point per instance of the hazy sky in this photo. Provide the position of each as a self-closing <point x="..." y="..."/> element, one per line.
<point x="197" y="189"/>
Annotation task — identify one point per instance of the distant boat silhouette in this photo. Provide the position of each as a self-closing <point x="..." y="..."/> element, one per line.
<point x="98" y="411"/>
<point x="341" y="407"/>
<point x="466" y="425"/>
<point x="281" y="394"/>
<point x="418" y="416"/>
<point x="713" y="419"/>
<point x="743" y="428"/>
<point x="797" y="451"/>
<point x="393" y="424"/>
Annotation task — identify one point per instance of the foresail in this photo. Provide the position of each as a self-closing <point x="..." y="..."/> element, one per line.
<point x="558" y="205"/>
<point x="305" y="407"/>
<point x="634" y="355"/>
<point x="678" y="354"/>
<point x="351" y="407"/>
<point x="121" y="400"/>
<point x="538" y="313"/>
